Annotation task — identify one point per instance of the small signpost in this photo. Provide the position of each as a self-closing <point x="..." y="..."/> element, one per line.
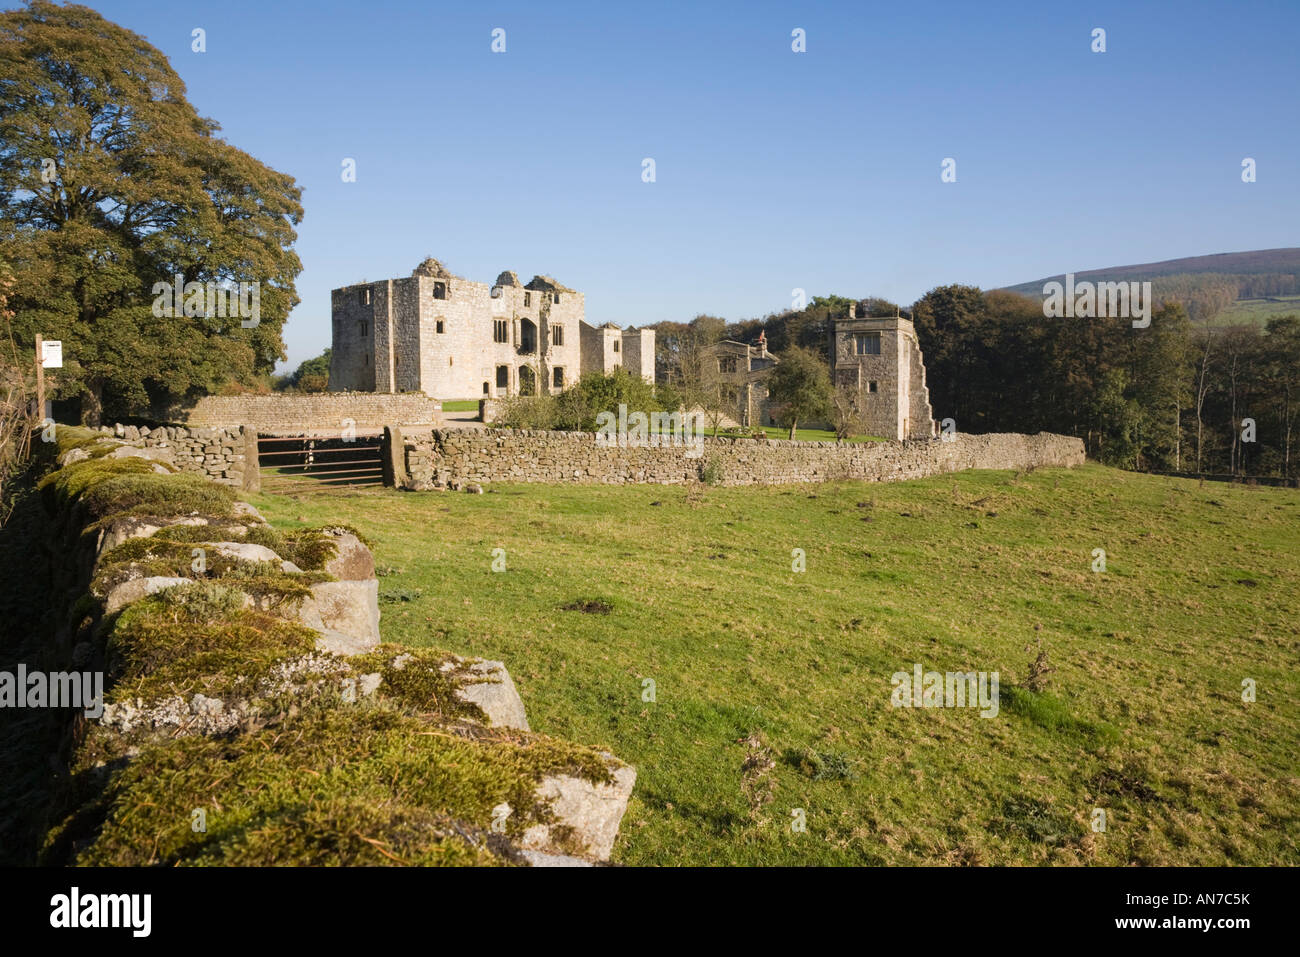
<point x="52" y="353"/>
<point x="49" y="355"/>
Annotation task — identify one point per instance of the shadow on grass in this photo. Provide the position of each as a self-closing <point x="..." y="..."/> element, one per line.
<point x="713" y="820"/>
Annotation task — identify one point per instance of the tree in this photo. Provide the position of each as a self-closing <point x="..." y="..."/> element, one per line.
<point x="849" y="410"/>
<point x="685" y="361"/>
<point x="1162" y="378"/>
<point x="1241" y="361"/>
<point x="1208" y="299"/>
<point x="110" y="183"/>
<point x="1119" y="418"/>
<point x="802" y="386"/>
<point x="875" y="307"/>
<point x="18" y="412"/>
<point x="1205" y="341"/>
<point x="312" y="375"/>
<point x="1282" y="374"/>
<point x="948" y="322"/>
<point x="681" y="348"/>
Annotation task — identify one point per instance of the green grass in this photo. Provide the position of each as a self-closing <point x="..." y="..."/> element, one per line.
<point x="1142" y="715"/>
<point x="460" y="405"/>
<point x="1258" y="311"/>
<point x="813" y="435"/>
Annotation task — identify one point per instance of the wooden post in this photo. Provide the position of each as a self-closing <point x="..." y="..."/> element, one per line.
<point x="40" y="380"/>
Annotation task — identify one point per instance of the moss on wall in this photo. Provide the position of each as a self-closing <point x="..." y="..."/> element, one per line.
<point x="308" y="771"/>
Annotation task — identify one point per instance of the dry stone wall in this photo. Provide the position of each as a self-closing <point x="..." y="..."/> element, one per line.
<point x="455" y="457"/>
<point x="311" y="412"/>
<point x="227" y="456"/>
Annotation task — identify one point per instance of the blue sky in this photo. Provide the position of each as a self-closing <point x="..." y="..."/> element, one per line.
<point x="775" y="170"/>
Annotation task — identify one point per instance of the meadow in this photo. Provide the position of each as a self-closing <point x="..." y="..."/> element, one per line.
<point x="1258" y="311"/>
<point x="668" y="625"/>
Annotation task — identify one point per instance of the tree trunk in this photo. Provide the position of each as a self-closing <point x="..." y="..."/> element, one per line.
<point x="92" y="404"/>
<point x="1178" y="440"/>
<point x="1233" y="459"/>
<point x="793" y="424"/>
<point x="1286" y="457"/>
<point x="1201" y="389"/>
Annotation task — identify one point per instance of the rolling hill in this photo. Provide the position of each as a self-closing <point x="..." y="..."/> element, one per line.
<point x="1247" y="286"/>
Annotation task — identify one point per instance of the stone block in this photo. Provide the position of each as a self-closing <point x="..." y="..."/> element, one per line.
<point x="350" y="608"/>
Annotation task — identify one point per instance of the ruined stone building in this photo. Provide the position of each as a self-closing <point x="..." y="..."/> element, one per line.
<point x="880" y="357"/>
<point x="742" y="371"/>
<point x="452" y="338"/>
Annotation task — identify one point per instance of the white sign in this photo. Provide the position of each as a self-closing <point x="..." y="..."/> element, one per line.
<point x="51" y="354"/>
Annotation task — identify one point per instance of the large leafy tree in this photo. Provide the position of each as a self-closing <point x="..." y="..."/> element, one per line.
<point x="802" y="386"/>
<point x="956" y="339"/>
<point x="111" y="182"/>
<point x="1162" y="374"/>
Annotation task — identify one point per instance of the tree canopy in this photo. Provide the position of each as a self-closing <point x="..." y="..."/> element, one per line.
<point x="801" y="385"/>
<point x="111" y="183"/>
<point x="312" y="375"/>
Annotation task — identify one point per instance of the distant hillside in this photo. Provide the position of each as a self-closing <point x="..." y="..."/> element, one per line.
<point x="1235" y="287"/>
<point x="1257" y="262"/>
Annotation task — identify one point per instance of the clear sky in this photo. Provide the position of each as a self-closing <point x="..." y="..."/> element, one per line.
<point x="775" y="170"/>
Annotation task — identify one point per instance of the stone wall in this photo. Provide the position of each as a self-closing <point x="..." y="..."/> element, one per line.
<point x="458" y="456"/>
<point x="355" y="313"/>
<point x="312" y="412"/>
<point x="227" y="456"/>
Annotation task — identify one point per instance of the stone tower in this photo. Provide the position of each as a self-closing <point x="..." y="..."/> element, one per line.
<point x="881" y="358"/>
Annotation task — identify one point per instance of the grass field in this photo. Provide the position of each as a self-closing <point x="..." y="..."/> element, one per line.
<point x="813" y="435"/>
<point x="1258" y="311"/>
<point x="460" y="405"/>
<point x="772" y="687"/>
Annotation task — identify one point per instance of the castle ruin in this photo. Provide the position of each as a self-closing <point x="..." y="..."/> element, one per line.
<point x="881" y="359"/>
<point x="452" y="338"/>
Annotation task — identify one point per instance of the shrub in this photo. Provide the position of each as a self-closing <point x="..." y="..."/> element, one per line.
<point x="527" y="412"/>
<point x="605" y="393"/>
<point x="572" y="411"/>
<point x="668" y="397"/>
<point x="576" y="409"/>
<point x="821" y="765"/>
<point x="711" y="472"/>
